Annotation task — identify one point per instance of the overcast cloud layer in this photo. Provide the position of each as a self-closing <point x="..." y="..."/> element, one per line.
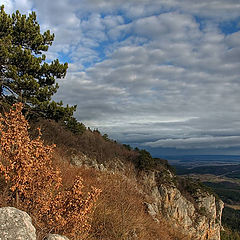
<point x="152" y="73"/>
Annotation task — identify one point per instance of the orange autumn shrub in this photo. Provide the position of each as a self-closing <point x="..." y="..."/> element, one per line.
<point x="35" y="186"/>
<point x="24" y="162"/>
<point x="71" y="210"/>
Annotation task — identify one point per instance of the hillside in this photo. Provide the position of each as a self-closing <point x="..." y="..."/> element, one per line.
<point x="90" y="187"/>
<point x="140" y="195"/>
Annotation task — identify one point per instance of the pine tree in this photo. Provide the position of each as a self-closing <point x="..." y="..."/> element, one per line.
<point x="25" y="76"/>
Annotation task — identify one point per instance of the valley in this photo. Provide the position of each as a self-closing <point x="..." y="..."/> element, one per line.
<point x="221" y="174"/>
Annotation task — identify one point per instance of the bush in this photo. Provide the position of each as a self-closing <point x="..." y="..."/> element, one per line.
<point x="74" y="126"/>
<point x="34" y="185"/>
<point x="144" y="161"/>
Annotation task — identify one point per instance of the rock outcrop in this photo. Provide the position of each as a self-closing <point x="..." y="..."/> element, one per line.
<point x="17" y="225"/>
<point x="83" y="160"/>
<point x="199" y="217"/>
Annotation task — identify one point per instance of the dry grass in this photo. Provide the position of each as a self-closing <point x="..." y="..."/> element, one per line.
<point x="90" y="142"/>
<point x="120" y="212"/>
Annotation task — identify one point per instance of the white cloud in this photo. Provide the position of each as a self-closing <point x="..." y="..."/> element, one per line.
<point x="161" y="72"/>
<point x="197" y="142"/>
<point x="24" y="6"/>
<point x="8" y="4"/>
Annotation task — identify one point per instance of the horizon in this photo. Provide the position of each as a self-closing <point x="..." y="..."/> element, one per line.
<point x="163" y="76"/>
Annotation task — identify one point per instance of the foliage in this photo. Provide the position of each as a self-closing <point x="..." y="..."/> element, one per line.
<point x="127" y="146"/>
<point x="22" y="162"/>
<point x="34" y="185"/>
<point x="25" y="75"/>
<point x="144" y="161"/>
<point x="74" y="126"/>
<point x="70" y="211"/>
<point x="105" y="137"/>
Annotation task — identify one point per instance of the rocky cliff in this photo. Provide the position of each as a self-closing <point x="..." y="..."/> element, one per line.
<point x="197" y="213"/>
<point x="188" y="206"/>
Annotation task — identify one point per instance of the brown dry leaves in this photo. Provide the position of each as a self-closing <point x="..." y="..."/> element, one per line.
<point x="35" y="186"/>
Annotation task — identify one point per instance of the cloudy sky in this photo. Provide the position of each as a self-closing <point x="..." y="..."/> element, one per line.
<point x="161" y="75"/>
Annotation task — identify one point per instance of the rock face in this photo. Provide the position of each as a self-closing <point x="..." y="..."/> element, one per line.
<point x="116" y="165"/>
<point x="83" y="160"/>
<point x="200" y="218"/>
<point x="15" y="225"/>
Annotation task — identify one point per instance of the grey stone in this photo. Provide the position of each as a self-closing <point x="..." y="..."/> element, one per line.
<point x="183" y="214"/>
<point x="56" y="237"/>
<point x="16" y="225"/>
<point x="153" y="210"/>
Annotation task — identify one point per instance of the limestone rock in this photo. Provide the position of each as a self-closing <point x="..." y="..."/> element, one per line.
<point x="152" y="210"/>
<point x="83" y="160"/>
<point x="200" y="220"/>
<point x="16" y="225"/>
<point x="55" y="237"/>
<point x="116" y="165"/>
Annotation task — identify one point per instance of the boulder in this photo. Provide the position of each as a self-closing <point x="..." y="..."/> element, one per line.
<point x="16" y="225"/>
<point x="56" y="237"/>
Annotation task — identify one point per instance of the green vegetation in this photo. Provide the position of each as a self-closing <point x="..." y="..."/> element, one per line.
<point x="25" y="75"/>
<point x="145" y="161"/>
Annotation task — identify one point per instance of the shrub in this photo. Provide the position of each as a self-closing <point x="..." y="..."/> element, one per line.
<point x="34" y="185"/>
<point x="90" y="143"/>
<point x="144" y="161"/>
<point x="74" y="126"/>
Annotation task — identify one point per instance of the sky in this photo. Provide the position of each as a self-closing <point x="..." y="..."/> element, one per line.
<point x="156" y="74"/>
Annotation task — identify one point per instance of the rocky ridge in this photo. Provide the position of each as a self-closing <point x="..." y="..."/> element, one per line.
<point x="198" y="218"/>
